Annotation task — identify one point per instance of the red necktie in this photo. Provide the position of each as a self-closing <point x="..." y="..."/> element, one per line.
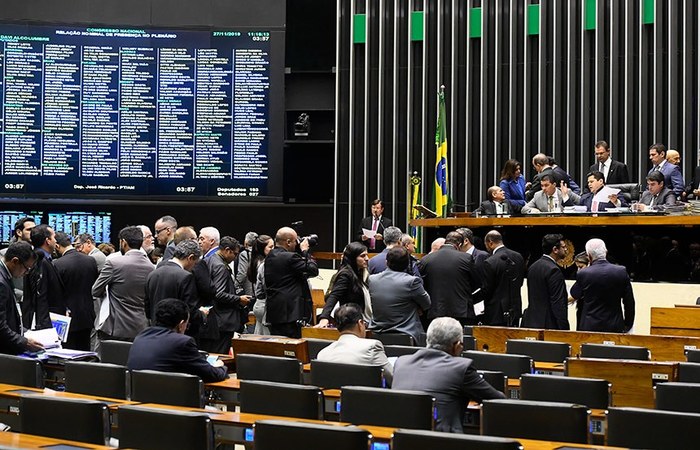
<point x="373" y="241"/>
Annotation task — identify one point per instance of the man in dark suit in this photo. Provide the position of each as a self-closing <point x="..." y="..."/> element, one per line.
<point x="440" y="371"/>
<point x="377" y="223"/>
<point x="469" y="248"/>
<point x="546" y="290"/>
<point x="287" y="274"/>
<point x="541" y="164"/>
<point x="164" y="346"/>
<point x="450" y="278"/>
<point x="673" y="179"/>
<point x="601" y="290"/>
<point x="175" y="280"/>
<point x="595" y="182"/>
<point x="496" y="204"/>
<point x="43" y="290"/>
<point x="226" y="316"/>
<point x="614" y="172"/>
<point x="164" y="230"/>
<point x="15" y="263"/>
<point x="78" y="273"/>
<point x="657" y="194"/>
<point x="504" y="271"/>
<point x="564" y="176"/>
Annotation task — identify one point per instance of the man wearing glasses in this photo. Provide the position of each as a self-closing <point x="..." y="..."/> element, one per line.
<point x="165" y="236"/>
<point x="85" y="243"/>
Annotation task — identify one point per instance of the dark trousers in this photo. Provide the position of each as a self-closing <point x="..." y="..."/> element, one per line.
<point x="221" y="345"/>
<point x="289" y="329"/>
<point x="78" y="340"/>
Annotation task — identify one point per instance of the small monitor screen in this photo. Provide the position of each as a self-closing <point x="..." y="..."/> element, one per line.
<point x="99" y="225"/>
<point x="8" y="220"/>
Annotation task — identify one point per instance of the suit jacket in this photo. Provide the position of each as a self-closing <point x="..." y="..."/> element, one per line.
<point x="168" y="253"/>
<point x="564" y="176"/>
<point x="99" y="258"/>
<point x="11" y="340"/>
<point x="126" y="277"/>
<point x="693" y="184"/>
<point x="587" y="201"/>
<point x="514" y="190"/>
<point x="617" y="174"/>
<point x="450" y="278"/>
<point x="451" y="380"/>
<point x="503" y="277"/>
<point x="541" y="202"/>
<point x="159" y="348"/>
<point x="600" y="289"/>
<point x="78" y="273"/>
<point x="536" y="185"/>
<point x="242" y="281"/>
<point x="488" y="208"/>
<point x="43" y="293"/>
<point x="170" y="280"/>
<point x="345" y="289"/>
<point x="666" y="197"/>
<point x="287" y="285"/>
<point x="397" y="299"/>
<point x="366" y="223"/>
<point x="227" y="313"/>
<point x="673" y="178"/>
<point x="377" y="264"/>
<point x="350" y="349"/>
<point x="547" y="297"/>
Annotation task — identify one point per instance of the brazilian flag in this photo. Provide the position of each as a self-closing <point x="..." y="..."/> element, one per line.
<point x="441" y="178"/>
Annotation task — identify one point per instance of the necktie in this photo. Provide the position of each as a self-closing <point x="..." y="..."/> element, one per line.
<point x="373" y="241"/>
<point x="550" y="202"/>
<point x="602" y="167"/>
<point x="653" y="200"/>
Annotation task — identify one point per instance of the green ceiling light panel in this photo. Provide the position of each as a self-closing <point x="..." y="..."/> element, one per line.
<point x="475" y="23"/>
<point x="589" y="15"/>
<point x="533" y="19"/>
<point x="647" y="11"/>
<point x="417" y="32"/>
<point x="359" y="29"/>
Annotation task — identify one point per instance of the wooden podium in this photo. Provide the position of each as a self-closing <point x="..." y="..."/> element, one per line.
<point x="271" y="346"/>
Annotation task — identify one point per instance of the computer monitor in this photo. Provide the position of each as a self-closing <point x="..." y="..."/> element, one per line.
<point x="8" y="220"/>
<point x="99" y="224"/>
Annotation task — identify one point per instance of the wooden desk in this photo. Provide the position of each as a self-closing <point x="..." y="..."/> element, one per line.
<point x="560" y="220"/>
<point x="494" y="338"/>
<point x="632" y="381"/>
<point x="676" y="321"/>
<point x="272" y="346"/>
<point x="19" y="440"/>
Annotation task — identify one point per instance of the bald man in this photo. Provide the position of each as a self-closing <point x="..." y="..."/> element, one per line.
<point x="286" y="283"/>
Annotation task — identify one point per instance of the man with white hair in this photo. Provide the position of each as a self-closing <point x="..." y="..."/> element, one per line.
<point x="440" y="371"/>
<point x="208" y="241"/>
<point x="601" y="291"/>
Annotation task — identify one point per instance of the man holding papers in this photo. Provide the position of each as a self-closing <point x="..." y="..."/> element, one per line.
<point x="600" y="196"/>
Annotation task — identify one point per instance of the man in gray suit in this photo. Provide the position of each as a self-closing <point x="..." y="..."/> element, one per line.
<point x="551" y="198"/>
<point x="352" y="347"/>
<point x="657" y="194"/>
<point x="398" y="298"/>
<point x="125" y="275"/>
<point x="440" y="371"/>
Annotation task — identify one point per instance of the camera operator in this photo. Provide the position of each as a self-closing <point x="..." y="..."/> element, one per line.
<point x="286" y="283"/>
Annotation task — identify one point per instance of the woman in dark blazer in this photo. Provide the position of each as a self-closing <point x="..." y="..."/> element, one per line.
<point x="513" y="183"/>
<point x="262" y="246"/>
<point x="350" y="285"/>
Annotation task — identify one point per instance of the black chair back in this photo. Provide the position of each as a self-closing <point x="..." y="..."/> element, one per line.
<point x="681" y="397"/>
<point x="468" y="330"/>
<point x="115" y="352"/>
<point x="615" y="352"/>
<point x="387" y="407"/>
<point x="497" y="379"/>
<point x="288" y="435"/>
<point x="652" y="429"/>
<point x="548" y="421"/>
<point x="102" y="380"/>
<point x="422" y="440"/>
<point x="511" y="365"/>
<point x="21" y="371"/>
<point x="61" y="418"/>
<point x="468" y="342"/>
<point x="590" y="392"/>
<point x="177" y="389"/>
<point x="160" y="429"/>
<point x="281" y="399"/>
<point x="269" y="368"/>
<point x="689" y="372"/>
<point x="331" y="375"/>
<point x="693" y="356"/>
<point x="630" y="191"/>
<point x="394" y="338"/>
<point x="316" y="345"/>
<point x="544" y="351"/>
<point x="400" y="350"/>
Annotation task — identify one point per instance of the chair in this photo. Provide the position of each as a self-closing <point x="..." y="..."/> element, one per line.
<point x="269" y="368"/>
<point x="99" y="379"/>
<point x="316" y="345"/>
<point x="511" y="365"/>
<point x="422" y="440"/>
<point x="400" y="350"/>
<point x="21" y="371"/>
<point x="615" y="352"/>
<point x="468" y="330"/>
<point x="631" y="191"/>
<point x="689" y="372"/>
<point x="497" y="379"/>
<point x="693" y="356"/>
<point x="288" y="435"/>
<point x="177" y="389"/>
<point x="281" y="399"/>
<point x="161" y="429"/>
<point x="544" y="351"/>
<point x="115" y="352"/>
<point x="62" y="418"/>
<point x="387" y="407"/>
<point x="652" y="429"/>
<point x="393" y="338"/>
<point x="548" y="421"/>
<point x="591" y="392"/>
<point x="681" y="397"/>
<point x="468" y="342"/>
<point x="330" y="375"/>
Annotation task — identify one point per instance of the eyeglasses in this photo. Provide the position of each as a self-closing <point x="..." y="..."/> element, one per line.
<point x="148" y="236"/>
<point x="161" y="230"/>
<point x="28" y="268"/>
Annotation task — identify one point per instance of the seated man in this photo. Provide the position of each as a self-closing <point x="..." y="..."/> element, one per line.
<point x="165" y="347"/>
<point x="440" y="371"/>
<point x="496" y="203"/>
<point x="596" y="182"/>
<point x="550" y="198"/>
<point x="656" y="194"/>
<point x="352" y="347"/>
